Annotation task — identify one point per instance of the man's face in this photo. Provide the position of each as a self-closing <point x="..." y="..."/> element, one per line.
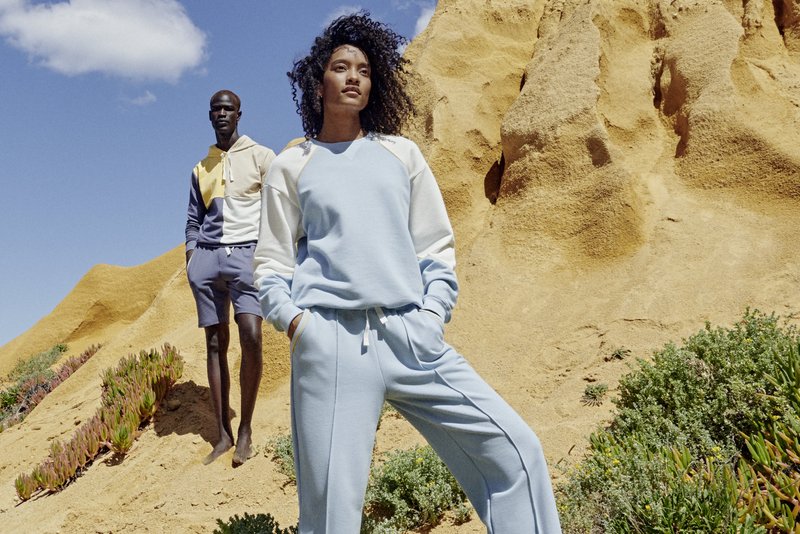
<point x="224" y="114"/>
<point x="346" y="81"/>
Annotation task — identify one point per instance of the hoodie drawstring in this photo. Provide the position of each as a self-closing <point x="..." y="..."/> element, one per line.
<point x="227" y="171"/>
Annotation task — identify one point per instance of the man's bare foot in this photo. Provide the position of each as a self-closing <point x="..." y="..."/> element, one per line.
<point x="244" y="449"/>
<point x="219" y="449"/>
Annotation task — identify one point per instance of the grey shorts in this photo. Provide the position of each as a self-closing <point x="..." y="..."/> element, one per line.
<point x="219" y="276"/>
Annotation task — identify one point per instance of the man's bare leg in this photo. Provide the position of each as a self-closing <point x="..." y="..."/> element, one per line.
<point x="219" y="382"/>
<point x="249" y="379"/>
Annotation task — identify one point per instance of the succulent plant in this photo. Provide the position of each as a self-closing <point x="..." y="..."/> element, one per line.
<point x="770" y="478"/>
<point x="147" y="407"/>
<point x="131" y="393"/>
<point x="26" y="486"/>
<point x="122" y="438"/>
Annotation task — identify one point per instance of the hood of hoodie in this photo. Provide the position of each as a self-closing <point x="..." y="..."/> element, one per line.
<point x="243" y="143"/>
<point x="214" y="153"/>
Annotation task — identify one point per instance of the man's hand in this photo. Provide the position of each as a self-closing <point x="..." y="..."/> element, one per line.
<point x="293" y="325"/>
<point x="189" y="255"/>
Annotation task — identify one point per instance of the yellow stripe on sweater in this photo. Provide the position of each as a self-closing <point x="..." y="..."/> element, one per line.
<point x="211" y="178"/>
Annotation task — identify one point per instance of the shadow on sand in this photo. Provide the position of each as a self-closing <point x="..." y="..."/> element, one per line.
<point x="192" y="415"/>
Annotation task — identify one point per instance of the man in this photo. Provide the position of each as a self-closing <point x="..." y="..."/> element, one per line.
<point x="221" y="234"/>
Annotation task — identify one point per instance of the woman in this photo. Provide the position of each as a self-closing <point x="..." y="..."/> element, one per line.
<point x="355" y="262"/>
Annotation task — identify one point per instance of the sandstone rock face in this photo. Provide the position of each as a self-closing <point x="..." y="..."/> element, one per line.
<point x="612" y="89"/>
<point x="563" y="173"/>
<point x="467" y="68"/>
<point x="735" y="100"/>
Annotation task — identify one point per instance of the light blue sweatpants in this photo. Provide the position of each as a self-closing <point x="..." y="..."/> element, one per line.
<point x="345" y="363"/>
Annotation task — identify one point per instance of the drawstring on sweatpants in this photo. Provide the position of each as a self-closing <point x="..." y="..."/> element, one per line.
<point x="365" y="341"/>
<point x="381" y="318"/>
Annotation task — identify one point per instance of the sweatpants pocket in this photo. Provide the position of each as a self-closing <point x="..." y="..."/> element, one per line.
<point x="425" y="333"/>
<point x="298" y="333"/>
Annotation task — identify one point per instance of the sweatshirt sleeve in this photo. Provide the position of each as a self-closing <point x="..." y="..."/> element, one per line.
<point x="263" y="168"/>
<point x="276" y="252"/>
<point x="433" y="239"/>
<point x="195" y="214"/>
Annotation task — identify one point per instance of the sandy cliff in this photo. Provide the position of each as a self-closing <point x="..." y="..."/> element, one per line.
<point x="618" y="173"/>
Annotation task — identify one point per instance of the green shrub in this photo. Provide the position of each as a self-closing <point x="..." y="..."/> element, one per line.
<point x="675" y="458"/>
<point x="147" y="406"/>
<point x="619" y="353"/>
<point x="122" y="438"/>
<point x="462" y="513"/>
<point x="708" y="391"/>
<point x="8" y="398"/>
<point x="410" y="489"/>
<point x="34" y="380"/>
<point x="697" y="495"/>
<point x="626" y="487"/>
<point x="282" y="452"/>
<point x="36" y="364"/>
<point x="252" y="524"/>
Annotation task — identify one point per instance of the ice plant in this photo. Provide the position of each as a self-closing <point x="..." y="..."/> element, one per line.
<point x="25" y="485"/>
<point x="131" y="394"/>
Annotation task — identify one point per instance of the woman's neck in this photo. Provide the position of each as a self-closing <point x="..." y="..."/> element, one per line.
<point x="337" y="131"/>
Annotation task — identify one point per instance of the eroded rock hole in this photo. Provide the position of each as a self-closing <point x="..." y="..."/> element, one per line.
<point x="778" y="7"/>
<point x="493" y="179"/>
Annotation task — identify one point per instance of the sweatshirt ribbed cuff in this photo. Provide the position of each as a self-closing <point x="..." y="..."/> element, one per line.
<point x="285" y="315"/>
<point x="434" y="305"/>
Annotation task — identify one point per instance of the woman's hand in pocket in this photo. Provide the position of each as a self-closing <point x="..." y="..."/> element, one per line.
<point x="293" y="325"/>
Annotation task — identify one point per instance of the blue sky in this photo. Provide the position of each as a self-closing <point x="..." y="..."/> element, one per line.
<point x="105" y="113"/>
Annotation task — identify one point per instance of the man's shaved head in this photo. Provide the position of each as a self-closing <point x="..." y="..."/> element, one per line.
<point x="231" y="94"/>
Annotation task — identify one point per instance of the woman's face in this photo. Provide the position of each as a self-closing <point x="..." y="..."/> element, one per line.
<point x="346" y="82"/>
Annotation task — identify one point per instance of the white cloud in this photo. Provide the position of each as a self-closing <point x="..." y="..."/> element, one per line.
<point x="403" y="4"/>
<point x="143" y="100"/>
<point x="339" y="12"/>
<point x="135" y="39"/>
<point x="426" y="12"/>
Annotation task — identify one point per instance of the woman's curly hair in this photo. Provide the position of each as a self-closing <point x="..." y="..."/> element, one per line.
<point x="389" y="106"/>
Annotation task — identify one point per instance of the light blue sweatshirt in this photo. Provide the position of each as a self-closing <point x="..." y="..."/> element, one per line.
<point x="353" y="225"/>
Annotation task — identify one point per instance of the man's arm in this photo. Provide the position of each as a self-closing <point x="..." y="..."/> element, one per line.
<point x="194" y="216"/>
